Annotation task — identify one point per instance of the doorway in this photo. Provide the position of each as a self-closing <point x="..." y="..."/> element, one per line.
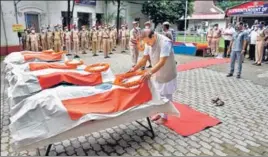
<point x="99" y="19"/>
<point x="84" y="19"/>
<point x="32" y="20"/>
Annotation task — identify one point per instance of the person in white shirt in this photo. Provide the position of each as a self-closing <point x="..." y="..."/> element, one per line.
<point x="227" y="36"/>
<point x="252" y="43"/>
<point x="158" y="48"/>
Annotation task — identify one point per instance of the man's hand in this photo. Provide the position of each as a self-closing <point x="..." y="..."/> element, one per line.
<point x="147" y="75"/>
<point x="228" y="51"/>
<point x="131" y="70"/>
<point x="243" y="51"/>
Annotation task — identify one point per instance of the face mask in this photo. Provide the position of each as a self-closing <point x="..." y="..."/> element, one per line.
<point x="260" y="26"/>
<point x="43" y="31"/>
<point x="66" y="30"/>
<point x="33" y="31"/>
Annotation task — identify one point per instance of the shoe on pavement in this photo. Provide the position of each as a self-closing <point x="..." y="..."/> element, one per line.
<point x="238" y="76"/>
<point x="95" y="55"/>
<point x="229" y="75"/>
<point x="107" y="57"/>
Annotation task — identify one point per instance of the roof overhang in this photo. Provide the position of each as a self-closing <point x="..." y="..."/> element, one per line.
<point x="206" y="17"/>
<point x="249" y="9"/>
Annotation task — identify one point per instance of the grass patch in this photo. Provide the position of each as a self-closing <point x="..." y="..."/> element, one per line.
<point x="2" y="58"/>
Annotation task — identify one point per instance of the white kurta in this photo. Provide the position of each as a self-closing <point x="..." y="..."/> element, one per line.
<point x="167" y="88"/>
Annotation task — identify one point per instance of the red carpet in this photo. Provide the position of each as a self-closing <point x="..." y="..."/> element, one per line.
<point x="201" y="64"/>
<point x="190" y="121"/>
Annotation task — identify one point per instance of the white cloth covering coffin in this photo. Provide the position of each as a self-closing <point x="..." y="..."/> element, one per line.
<point x="42" y="119"/>
<point x="24" y="84"/>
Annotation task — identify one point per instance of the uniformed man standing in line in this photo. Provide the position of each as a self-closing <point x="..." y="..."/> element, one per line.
<point x="67" y="40"/>
<point x="28" y="44"/>
<point x="90" y="39"/>
<point x="49" y="38"/>
<point x="94" y="41"/>
<point x="43" y="40"/>
<point x="114" y="38"/>
<point x="23" y="39"/>
<point x="123" y="39"/>
<point x="133" y="47"/>
<point x="209" y="37"/>
<point x="111" y="36"/>
<point x="99" y="40"/>
<point x="57" y="39"/>
<point x="215" y="40"/>
<point x="259" y="44"/>
<point x="75" y="40"/>
<point x="127" y="37"/>
<point x="105" y="39"/>
<point x="34" y="40"/>
<point x="83" y="38"/>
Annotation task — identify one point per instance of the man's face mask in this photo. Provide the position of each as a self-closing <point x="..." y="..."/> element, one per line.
<point x="260" y="26"/>
<point x="66" y="30"/>
<point x="33" y="31"/>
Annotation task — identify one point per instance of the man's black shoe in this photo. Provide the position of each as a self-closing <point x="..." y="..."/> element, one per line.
<point x="95" y="55"/>
<point x="76" y="56"/>
<point x="238" y="76"/>
<point x="107" y="57"/>
<point x="229" y="75"/>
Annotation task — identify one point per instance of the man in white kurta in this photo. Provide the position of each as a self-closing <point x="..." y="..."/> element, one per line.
<point x="159" y="49"/>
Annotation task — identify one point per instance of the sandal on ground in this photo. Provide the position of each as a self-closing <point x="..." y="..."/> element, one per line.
<point x="219" y="103"/>
<point x="215" y="100"/>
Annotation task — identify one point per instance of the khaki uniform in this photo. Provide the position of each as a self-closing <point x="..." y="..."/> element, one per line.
<point x="34" y="42"/>
<point x="127" y="38"/>
<point x="94" y="41"/>
<point x="209" y="37"/>
<point x="90" y="39"/>
<point x="43" y="41"/>
<point x="114" y="38"/>
<point x="83" y="39"/>
<point x="259" y="45"/>
<point x="99" y="40"/>
<point x="67" y="41"/>
<point x="215" y="41"/>
<point x="57" y="41"/>
<point x="123" y="40"/>
<point x="49" y="40"/>
<point x="105" y="42"/>
<point x="28" y="46"/>
<point x="133" y="47"/>
<point x="75" y="39"/>
<point x="111" y="36"/>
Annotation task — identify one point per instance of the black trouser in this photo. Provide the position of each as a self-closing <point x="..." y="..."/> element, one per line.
<point x="252" y="51"/>
<point x="226" y="46"/>
<point x="265" y="56"/>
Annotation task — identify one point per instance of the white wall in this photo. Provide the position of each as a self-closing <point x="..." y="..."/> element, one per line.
<point x="49" y="12"/>
<point x="9" y="19"/>
<point x="222" y="23"/>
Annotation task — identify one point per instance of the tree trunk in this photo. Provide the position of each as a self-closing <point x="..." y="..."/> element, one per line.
<point x="68" y="15"/>
<point x="118" y="18"/>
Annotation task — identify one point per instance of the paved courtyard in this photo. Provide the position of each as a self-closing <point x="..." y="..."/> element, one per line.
<point x="243" y="131"/>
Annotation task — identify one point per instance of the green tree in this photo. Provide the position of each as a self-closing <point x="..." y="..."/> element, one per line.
<point x="166" y="10"/>
<point x="225" y="4"/>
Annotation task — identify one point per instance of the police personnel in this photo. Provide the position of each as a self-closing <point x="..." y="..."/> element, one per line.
<point x="43" y="40"/>
<point x="83" y="39"/>
<point x="75" y="40"/>
<point x="34" y="40"/>
<point x="94" y="41"/>
<point x="105" y="40"/>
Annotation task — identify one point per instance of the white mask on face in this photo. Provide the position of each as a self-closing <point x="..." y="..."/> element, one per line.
<point x="33" y="31"/>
